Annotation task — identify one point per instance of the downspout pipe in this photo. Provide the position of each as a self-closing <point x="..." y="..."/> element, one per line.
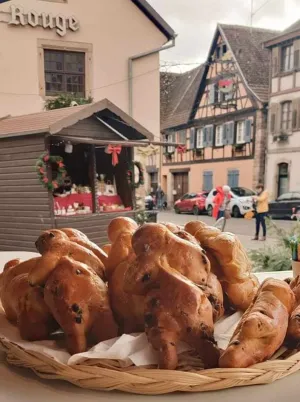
<point x="130" y="69"/>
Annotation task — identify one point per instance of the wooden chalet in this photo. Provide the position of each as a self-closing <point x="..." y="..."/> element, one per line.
<point x="80" y="136"/>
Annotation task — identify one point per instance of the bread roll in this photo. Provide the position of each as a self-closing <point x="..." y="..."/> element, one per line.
<point x="157" y="245"/>
<point x="53" y="245"/>
<point x="80" y="238"/>
<point x="230" y="263"/>
<point x="262" y="328"/>
<point x="293" y="332"/>
<point x="78" y="299"/>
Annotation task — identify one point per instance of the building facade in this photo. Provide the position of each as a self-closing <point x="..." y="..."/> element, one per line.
<point x="100" y="49"/>
<point x="221" y="117"/>
<point x="283" y="151"/>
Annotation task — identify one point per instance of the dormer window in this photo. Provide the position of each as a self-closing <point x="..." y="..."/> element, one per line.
<point x="287" y="58"/>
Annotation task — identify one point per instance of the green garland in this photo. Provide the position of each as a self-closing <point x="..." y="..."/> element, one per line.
<point x="41" y="169"/>
<point x="130" y="174"/>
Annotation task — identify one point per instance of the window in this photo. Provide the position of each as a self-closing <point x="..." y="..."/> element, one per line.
<point x="200" y="137"/>
<point x="240" y="132"/>
<point x="153" y="181"/>
<point x="286" y="116"/>
<point x="283" y="178"/>
<point x="233" y="178"/>
<point x="182" y="137"/>
<point x="64" y="72"/>
<point x="285" y="197"/>
<point x="170" y="138"/>
<point x="242" y="192"/>
<point x="287" y="58"/>
<point x="219" y="136"/>
<point x="207" y="180"/>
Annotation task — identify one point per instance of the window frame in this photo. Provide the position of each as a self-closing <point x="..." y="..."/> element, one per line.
<point x="199" y="138"/>
<point x="289" y="116"/>
<point x="50" y="44"/>
<point x="64" y="72"/>
<point x="289" y="57"/>
<point x="240" y="124"/>
<point x="221" y="142"/>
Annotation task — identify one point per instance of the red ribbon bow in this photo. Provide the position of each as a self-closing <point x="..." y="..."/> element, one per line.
<point x="114" y="151"/>
<point x="181" y="149"/>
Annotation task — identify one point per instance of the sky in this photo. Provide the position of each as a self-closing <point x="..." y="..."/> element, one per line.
<point x="195" y="21"/>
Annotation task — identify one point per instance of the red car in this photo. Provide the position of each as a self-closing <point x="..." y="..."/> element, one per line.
<point x="191" y="202"/>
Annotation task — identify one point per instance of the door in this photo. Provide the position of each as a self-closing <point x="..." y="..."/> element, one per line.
<point x="181" y="185"/>
<point x="283" y="179"/>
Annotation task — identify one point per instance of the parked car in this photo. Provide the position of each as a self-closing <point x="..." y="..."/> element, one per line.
<point x="285" y="205"/>
<point x="241" y="201"/>
<point x="191" y="202"/>
<point x="149" y="202"/>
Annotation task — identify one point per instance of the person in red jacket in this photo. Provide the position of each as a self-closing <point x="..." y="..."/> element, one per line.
<point x="221" y="201"/>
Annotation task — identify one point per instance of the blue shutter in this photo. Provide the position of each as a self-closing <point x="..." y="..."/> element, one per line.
<point x="205" y="133"/>
<point x="212" y="93"/>
<point x="225" y="136"/>
<point x="247" y="128"/>
<point x="233" y="178"/>
<point x="207" y="180"/>
<point x="192" y="138"/>
<point x="209" y="136"/>
<point x="230" y="133"/>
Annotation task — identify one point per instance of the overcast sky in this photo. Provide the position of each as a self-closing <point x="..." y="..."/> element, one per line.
<point x="195" y="21"/>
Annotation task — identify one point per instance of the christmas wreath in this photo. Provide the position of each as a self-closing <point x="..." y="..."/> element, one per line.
<point x="41" y="168"/>
<point x="130" y="175"/>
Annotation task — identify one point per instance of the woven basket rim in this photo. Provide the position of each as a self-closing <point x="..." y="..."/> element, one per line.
<point x="146" y="381"/>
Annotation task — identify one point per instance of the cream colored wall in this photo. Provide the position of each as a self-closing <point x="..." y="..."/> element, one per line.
<point x="116" y="29"/>
<point x="219" y="169"/>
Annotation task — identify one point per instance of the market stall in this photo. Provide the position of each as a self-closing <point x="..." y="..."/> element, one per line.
<point x="70" y="167"/>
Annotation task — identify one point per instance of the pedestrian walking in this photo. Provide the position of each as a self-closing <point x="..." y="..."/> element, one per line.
<point x="221" y="202"/>
<point x="159" y="197"/>
<point x="262" y="207"/>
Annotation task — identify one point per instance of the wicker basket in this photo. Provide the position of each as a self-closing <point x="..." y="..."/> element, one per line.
<point x="150" y="381"/>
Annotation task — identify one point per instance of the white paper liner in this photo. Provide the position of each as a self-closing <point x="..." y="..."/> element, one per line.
<point x="128" y="350"/>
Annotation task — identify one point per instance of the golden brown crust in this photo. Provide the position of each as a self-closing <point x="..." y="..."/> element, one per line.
<point x="262" y="328"/>
<point x="176" y="311"/>
<point x="229" y="261"/>
<point x="106" y="248"/>
<point x="24" y="305"/>
<point x="155" y="245"/>
<point x="128" y="308"/>
<point x="53" y="245"/>
<point x="78" y="299"/>
<point x="120" y="225"/>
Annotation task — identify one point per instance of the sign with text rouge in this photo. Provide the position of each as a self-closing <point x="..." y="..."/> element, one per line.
<point x="45" y="20"/>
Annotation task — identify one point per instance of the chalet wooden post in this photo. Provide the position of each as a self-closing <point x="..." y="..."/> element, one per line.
<point x="93" y="178"/>
<point x="49" y="175"/>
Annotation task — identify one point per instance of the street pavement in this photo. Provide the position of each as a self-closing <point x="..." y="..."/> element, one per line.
<point x="245" y="229"/>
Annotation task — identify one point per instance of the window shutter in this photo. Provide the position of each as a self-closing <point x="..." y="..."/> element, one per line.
<point x="275" y="61"/>
<point x="230" y="133"/>
<point x="212" y="93"/>
<point x="207" y="181"/>
<point x="205" y="135"/>
<point x="182" y="137"/>
<point x="192" y="138"/>
<point x="295" y="114"/>
<point x="274" y="118"/>
<point x="297" y="54"/>
<point x="248" y="129"/>
<point x="233" y="178"/>
<point x="225" y="132"/>
<point x="209" y="136"/>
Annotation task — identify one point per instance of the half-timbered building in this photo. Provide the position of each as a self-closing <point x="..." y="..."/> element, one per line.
<point x="219" y="117"/>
